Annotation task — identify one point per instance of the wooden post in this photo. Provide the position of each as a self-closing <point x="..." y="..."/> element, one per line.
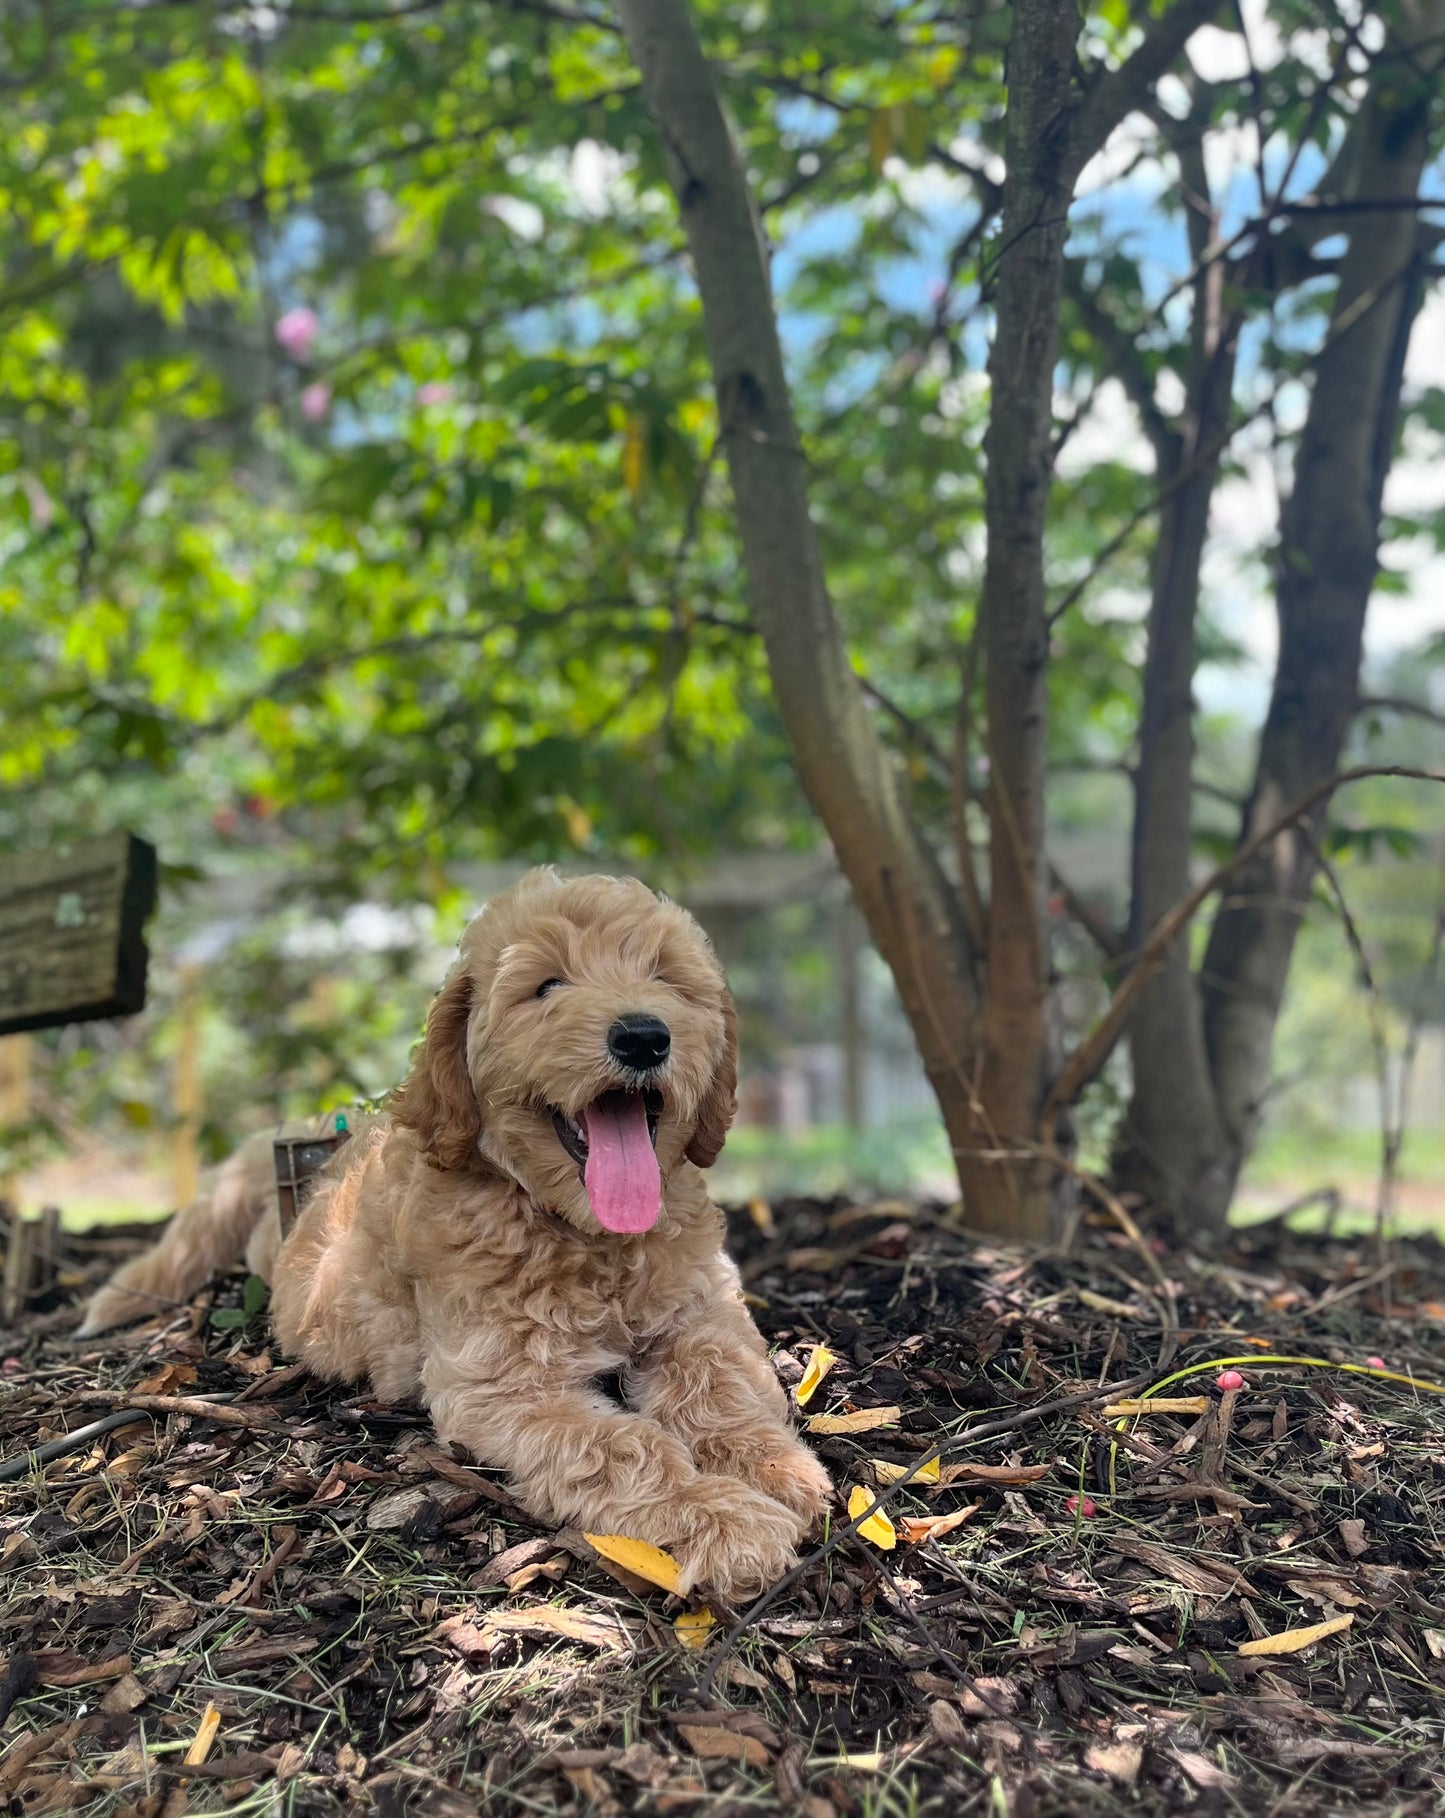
<point x="850" y="1010"/>
<point x="14" y="1106"/>
<point x="186" y="1088"/>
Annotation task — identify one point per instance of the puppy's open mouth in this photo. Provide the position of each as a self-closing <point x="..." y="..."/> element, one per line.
<point x="614" y="1143"/>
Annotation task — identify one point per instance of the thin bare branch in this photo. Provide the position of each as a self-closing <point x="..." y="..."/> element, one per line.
<point x="1088" y="1059"/>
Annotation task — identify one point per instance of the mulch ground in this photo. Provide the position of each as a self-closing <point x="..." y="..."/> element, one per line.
<point x="294" y="1601"/>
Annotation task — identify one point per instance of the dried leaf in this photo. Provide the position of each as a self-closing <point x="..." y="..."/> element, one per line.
<point x="639" y="1557"/>
<point x="761" y="1213"/>
<point x="1292" y="1640"/>
<point x="1201" y="1770"/>
<point x="205" y="1735"/>
<point x="548" y="1571"/>
<point x="1160" y="1404"/>
<point x="878" y="1528"/>
<point x="62" y="1667"/>
<point x="917" y="1529"/>
<point x="1010" y="1476"/>
<point x="861" y="1420"/>
<point x="946" y="1724"/>
<point x="820" y="1361"/>
<point x="1352" y="1534"/>
<point x="717" y="1744"/>
<point x="885" y="1472"/>
<point x="693" y="1627"/>
<point x="168" y="1380"/>
<point x="1434" y="1639"/>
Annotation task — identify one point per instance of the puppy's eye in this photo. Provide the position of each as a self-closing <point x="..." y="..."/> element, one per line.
<point x="548" y="986"/>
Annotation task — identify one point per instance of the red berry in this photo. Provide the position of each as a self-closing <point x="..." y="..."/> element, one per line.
<point x="1082" y="1505"/>
<point x="1376" y="1363"/>
<point x="1229" y="1379"/>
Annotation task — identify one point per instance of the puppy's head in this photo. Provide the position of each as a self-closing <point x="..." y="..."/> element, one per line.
<point x="584" y="1043"/>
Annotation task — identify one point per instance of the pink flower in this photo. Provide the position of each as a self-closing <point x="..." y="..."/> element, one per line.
<point x="315" y="401"/>
<point x="435" y="391"/>
<point x="1084" y="1506"/>
<point x="296" y="331"/>
<point x="1229" y="1379"/>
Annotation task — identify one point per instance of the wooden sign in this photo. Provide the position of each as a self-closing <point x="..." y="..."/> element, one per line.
<point x="72" y="932"/>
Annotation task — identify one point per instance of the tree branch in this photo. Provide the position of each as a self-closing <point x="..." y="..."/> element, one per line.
<point x="1395" y="703"/>
<point x="1124" y="91"/>
<point x="1088" y="1059"/>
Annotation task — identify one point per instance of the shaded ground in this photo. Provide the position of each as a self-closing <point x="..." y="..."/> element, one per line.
<point x="357" y="1621"/>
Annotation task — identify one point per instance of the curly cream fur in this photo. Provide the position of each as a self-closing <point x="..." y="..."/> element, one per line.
<point x="449" y="1253"/>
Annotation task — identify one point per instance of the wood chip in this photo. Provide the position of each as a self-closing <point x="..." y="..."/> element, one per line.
<point x="547" y="1622"/>
<point x="716" y="1744"/>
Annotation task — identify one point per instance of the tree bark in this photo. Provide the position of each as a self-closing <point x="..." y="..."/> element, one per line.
<point x="1019" y="1050"/>
<point x="1327" y="563"/>
<point x="911" y="909"/>
<point x="1172" y="1135"/>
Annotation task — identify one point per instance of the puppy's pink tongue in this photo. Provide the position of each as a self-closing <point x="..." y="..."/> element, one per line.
<point x="621" y="1175"/>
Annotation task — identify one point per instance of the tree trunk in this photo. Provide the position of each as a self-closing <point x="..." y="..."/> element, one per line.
<point x="1172" y="1135"/>
<point x="910" y="907"/>
<point x="1327" y="564"/>
<point x="1019" y="1055"/>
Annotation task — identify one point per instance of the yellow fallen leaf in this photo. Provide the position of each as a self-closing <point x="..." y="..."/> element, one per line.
<point x="886" y="1472"/>
<point x="638" y="1556"/>
<point x="1292" y="1640"/>
<point x="861" y="1420"/>
<point x="761" y="1213"/>
<point x="820" y="1361"/>
<point x="863" y="1764"/>
<point x="693" y="1627"/>
<point x="205" y="1736"/>
<point x="878" y="1528"/>
<point x="918" y="1528"/>
<point x="1161" y="1404"/>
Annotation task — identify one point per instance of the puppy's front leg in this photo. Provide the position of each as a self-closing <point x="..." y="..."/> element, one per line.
<point x="709" y="1382"/>
<point x="576" y="1459"/>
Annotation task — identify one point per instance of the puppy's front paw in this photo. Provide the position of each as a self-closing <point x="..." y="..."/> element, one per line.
<point x="793" y="1477"/>
<point x="738" y="1540"/>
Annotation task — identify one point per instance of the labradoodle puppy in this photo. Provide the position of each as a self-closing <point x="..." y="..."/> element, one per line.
<point x="529" y="1217"/>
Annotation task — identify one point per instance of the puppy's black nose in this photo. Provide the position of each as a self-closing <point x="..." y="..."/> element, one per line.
<point x="639" y="1041"/>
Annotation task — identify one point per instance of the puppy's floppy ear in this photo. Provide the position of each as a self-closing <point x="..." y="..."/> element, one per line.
<point x="436" y="1098"/>
<point x="720" y="1104"/>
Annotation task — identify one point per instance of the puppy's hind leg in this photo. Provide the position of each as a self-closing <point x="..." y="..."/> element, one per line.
<point x="201" y="1239"/>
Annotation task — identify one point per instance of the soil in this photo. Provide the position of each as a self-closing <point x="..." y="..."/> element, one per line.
<point x="294" y="1601"/>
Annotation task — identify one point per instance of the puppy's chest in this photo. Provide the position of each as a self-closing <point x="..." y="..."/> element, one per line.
<point x="619" y="1310"/>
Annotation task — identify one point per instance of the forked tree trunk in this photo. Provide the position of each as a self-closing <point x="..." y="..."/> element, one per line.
<point x="982" y="1020"/>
